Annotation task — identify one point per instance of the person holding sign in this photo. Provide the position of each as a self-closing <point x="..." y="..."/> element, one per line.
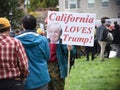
<point x="58" y="62"/>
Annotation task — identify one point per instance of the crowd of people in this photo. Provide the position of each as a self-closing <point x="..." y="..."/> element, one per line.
<point x="31" y="61"/>
<point x="106" y="40"/>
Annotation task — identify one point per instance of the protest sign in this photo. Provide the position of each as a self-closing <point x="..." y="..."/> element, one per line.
<point x="77" y="28"/>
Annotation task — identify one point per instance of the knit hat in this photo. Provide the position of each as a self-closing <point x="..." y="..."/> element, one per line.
<point x="4" y="23"/>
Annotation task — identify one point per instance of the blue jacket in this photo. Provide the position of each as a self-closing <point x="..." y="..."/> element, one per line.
<point x="62" y="56"/>
<point x="37" y="49"/>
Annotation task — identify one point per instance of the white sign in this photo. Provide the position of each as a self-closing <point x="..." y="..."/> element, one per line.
<point x="41" y="26"/>
<point x="77" y="28"/>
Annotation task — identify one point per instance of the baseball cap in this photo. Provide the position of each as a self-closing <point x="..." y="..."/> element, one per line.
<point x="4" y="23"/>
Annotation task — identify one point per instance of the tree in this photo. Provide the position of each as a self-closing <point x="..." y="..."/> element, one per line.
<point x="52" y="3"/>
<point x="4" y="8"/>
<point x="10" y="9"/>
<point x="35" y="4"/>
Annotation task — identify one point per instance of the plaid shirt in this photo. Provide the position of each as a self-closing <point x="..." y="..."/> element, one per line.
<point x="13" y="59"/>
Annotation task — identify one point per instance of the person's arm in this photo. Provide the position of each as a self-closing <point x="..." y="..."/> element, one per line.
<point x="46" y="49"/>
<point x="22" y="60"/>
<point x="72" y="49"/>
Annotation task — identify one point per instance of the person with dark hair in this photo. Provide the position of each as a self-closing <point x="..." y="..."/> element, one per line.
<point x="109" y="39"/>
<point x="116" y="41"/>
<point x="13" y="59"/>
<point x="101" y="36"/>
<point x="38" y="52"/>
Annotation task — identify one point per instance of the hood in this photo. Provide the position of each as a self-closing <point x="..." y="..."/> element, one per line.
<point x="29" y="39"/>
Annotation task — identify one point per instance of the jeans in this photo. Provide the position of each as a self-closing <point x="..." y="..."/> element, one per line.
<point x="11" y="84"/>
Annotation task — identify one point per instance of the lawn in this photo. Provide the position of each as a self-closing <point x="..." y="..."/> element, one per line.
<point x="94" y="75"/>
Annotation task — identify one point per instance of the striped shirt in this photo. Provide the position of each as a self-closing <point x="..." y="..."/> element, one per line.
<point x="13" y="59"/>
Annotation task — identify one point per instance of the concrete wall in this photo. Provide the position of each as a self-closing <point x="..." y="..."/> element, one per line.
<point x="111" y="11"/>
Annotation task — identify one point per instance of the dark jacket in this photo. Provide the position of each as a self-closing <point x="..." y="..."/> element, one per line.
<point x="62" y="56"/>
<point x="116" y="35"/>
<point x="101" y="33"/>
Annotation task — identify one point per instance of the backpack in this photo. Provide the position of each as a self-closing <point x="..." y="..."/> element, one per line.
<point x="109" y="37"/>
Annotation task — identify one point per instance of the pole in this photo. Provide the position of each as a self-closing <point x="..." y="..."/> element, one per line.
<point x="67" y="81"/>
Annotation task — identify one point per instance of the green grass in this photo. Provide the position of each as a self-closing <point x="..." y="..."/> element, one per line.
<point x="94" y="75"/>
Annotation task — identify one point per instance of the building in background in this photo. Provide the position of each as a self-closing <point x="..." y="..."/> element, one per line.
<point x="109" y="8"/>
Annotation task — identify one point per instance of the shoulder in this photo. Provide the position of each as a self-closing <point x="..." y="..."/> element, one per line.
<point x="14" y="39"/>
<point x="17" y="41"/>
<point x="13" y="42"/>
<point x="102" y="27"/>
<point x="43" y="38"/>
